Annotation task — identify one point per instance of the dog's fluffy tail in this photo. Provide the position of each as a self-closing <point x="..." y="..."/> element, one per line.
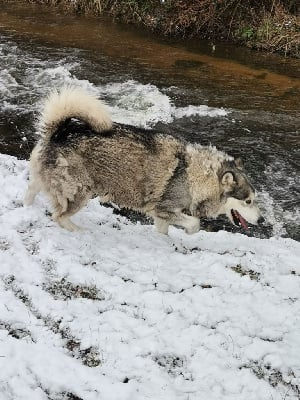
<point x="72" y="102"/>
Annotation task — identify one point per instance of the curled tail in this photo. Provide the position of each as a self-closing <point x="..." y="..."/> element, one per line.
<point x="72" y="102"/>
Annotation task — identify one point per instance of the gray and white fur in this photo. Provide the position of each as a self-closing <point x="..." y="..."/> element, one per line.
<point x="82" y="154"/>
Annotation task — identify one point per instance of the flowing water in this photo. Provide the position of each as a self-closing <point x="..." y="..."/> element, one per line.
<point x="243" y="102"/>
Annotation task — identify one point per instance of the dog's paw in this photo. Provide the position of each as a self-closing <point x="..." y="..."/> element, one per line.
<point x="161" y="225"/>
<point x="67" y="224"/>
<point x="193" y="227"/>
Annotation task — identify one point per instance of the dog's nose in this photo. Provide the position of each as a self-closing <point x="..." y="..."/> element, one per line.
<point x="260" y="220"/>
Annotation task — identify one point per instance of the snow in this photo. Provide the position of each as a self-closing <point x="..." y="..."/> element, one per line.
<point x="118" y="311"/>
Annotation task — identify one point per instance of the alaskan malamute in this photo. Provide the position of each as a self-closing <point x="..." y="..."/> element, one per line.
<point x="83" y="154"/>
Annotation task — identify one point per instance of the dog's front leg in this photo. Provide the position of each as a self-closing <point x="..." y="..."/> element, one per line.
<point x="189" y="223"/>
<point x="162" y="225"/>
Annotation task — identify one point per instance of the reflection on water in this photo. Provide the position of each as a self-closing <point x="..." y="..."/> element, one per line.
<point x="245" y="103"/>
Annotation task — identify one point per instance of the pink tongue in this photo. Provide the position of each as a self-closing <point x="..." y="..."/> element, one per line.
<point x="242" y="221"/>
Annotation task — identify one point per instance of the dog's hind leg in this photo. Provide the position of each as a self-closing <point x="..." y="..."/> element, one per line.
<point x="64" y="209"/>
<point x="33" y="189"/>
<point x="35" y="182"/>
<point x="62" y="216"/>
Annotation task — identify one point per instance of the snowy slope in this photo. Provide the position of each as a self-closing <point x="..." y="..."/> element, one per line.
<point x="118" y="311"/>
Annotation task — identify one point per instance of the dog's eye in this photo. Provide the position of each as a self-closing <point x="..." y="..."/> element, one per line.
<point x="248" y="201"/>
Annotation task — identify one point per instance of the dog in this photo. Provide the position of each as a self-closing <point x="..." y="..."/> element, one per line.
<point x="82" y="154"/>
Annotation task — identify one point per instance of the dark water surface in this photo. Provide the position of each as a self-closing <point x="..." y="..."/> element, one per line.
<point x="244" y="102"/>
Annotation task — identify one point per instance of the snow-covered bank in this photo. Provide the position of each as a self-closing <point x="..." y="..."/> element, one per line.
<point x="118" y="311"/>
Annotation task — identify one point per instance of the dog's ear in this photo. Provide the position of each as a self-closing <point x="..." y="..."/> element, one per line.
<point x="239" y="163"/>
<point x="228" y="180"/>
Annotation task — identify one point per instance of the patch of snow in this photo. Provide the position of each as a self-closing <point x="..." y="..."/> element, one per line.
<point x="208" y="316"/>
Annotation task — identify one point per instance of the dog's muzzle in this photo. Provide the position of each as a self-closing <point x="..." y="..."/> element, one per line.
<point x="238" y="220"/>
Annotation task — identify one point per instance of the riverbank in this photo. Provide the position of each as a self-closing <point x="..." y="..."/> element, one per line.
<point x="272" y="26"/>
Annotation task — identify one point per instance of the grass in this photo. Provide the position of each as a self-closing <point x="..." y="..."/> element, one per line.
<point x="268" y="25"/>
<point x="65" y="290"/>
<point x="273" y="31"/>
<point x="253" y="275"/>
<point x="275" y="378"/>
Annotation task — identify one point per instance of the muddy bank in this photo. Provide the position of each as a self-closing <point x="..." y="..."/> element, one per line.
<point x="268" y="25"/>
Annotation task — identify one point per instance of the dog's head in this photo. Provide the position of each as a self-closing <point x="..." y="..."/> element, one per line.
<point x="238" y="196"/>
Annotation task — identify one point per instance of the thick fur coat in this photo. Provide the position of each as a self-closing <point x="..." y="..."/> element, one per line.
<point x="82" y="154"/>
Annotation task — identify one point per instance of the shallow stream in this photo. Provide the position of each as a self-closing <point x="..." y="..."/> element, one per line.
<point x="245" y="103"/>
